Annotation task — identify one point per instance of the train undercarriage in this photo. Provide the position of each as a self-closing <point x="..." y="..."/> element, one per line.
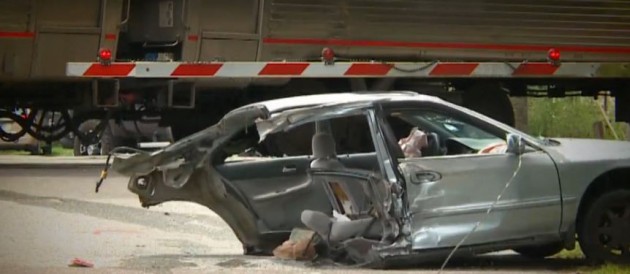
<point x="117" y="112"/>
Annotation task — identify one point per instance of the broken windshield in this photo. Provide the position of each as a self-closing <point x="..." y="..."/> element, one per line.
<point x="456" y="127"/>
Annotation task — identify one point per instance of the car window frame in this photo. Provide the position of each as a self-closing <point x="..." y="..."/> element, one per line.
<point x="401" y="106"/>
<point x="363" y="113"/>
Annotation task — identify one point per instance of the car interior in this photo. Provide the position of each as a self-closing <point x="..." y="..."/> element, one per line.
<point x="445" y="135"/>
<point x="300" y="186"/>
<point x="286" y="177"/>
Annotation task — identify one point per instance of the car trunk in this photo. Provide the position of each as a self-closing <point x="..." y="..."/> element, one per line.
<point x="182" y="172"/>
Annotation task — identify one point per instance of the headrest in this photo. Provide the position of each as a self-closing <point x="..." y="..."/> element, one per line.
<point x="323" y="145"/>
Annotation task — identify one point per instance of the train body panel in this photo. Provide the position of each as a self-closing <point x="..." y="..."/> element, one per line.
<point x="38" y="37"/>
<point x="487" y="50"/>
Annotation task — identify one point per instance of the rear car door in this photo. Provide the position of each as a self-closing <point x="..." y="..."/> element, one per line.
<point x="451" y="192"/>
<point x="278" y="185"/>
<point x="271" y="184"/>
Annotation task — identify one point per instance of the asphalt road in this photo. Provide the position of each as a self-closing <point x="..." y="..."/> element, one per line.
<point x="50" y="215"/>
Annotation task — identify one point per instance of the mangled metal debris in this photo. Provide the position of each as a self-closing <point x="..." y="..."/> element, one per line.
<point x="300" y="246"/>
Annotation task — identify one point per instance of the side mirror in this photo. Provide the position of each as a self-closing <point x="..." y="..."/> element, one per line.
<point x="515" y="144"/>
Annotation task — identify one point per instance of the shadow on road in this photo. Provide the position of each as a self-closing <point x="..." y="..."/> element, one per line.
<point x="511" y="262"/>
<point x="495" y="263"/>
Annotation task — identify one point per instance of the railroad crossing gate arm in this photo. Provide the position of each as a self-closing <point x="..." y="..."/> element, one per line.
<point x="347" y="70"/>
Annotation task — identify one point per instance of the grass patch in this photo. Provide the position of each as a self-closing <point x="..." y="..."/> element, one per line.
<point x="14" y="152"/>
<point x="58" y="150"/>
<point x="571" y="254"/>
<point x="610" y="269"/>
<point x="604" y="269"/>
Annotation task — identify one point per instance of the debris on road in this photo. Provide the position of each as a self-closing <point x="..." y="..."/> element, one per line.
<point x="299" y="246"/>
<point x="77" y="262"/>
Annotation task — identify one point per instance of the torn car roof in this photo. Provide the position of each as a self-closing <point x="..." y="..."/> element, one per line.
<point x="268" y="116"/>
<point x="283" y="104"/>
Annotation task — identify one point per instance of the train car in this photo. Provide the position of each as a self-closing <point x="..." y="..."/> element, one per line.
<point x="121" y="59"/>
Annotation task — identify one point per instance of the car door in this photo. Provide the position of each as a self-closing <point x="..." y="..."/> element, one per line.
<point x="279" y="188"/>
<point x="449" y="194"/>
<point x="271" y="183"/>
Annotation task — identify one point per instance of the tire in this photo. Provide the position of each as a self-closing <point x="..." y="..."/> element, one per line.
<point x="603" y="228"/>
<point x="490" y="99"/>
<point x="540" y="251"/>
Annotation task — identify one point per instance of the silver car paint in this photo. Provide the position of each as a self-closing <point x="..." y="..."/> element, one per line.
<point x="579" y="163"/>
<point x="444" y="210"/>
<point x="447" y="209"/>
<point x="201" y="183"/>
<point x="554" y="202"/>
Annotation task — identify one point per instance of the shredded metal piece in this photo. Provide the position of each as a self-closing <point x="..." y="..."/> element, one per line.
<point x="104" y="172"/>
<point x="99" y="182"/>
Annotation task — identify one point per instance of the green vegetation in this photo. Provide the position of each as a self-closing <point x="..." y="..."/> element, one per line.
<point x="604" y="269"/>
<point x="14" y="152"/>
<point x="610" y="269"/>
<point x="57" y="150"/>
<point x="571" y="254"/>
<point x="574" y="117"/>
<point x="570" y="117"/>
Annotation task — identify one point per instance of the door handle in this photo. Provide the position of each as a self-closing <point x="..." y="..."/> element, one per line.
<point x="289" y="169"/>
<point x="422" y="177"/>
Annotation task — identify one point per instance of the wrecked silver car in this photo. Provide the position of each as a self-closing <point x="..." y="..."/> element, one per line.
<point x="397" y="176"/>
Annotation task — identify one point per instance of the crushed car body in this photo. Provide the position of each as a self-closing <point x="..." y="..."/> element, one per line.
<point x="396" y="176"/>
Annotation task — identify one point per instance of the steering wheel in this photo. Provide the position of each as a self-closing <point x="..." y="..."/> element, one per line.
<point x="433" y="147"/>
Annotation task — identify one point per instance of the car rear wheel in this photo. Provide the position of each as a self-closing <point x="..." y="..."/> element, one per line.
<point x="540" y="251"/>
<point x="604" y="229"/>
